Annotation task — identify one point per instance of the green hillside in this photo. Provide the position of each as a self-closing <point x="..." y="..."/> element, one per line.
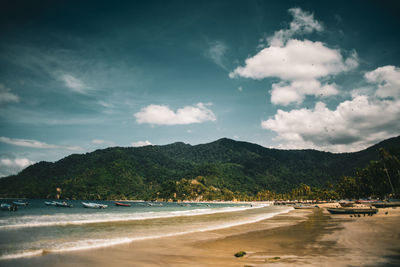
<point x="220" y="168"/>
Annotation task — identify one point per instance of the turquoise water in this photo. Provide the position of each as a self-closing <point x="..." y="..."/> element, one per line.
<point x="38" y="228"/>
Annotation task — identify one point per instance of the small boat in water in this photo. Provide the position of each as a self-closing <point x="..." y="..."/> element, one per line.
<point x="58" y="204"/>
<point x="50" y="203"/>
<point x="20" y="203"/>
<point x="154" y="204"/>
<point x="122" y="204"/>
<point x="369" y="211"/>
<point x="9" y="207"/>
<point x="63" y="204"/>
<point x="94" y="205"/>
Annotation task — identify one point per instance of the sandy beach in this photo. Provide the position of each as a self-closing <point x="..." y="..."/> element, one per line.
<point x="300" y="237"/>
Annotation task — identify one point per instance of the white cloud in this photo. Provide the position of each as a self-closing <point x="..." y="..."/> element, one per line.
<point x="299" y="64"/>
<point x="297" y="60"/>
<point x="35" y="144"/>
<point x="216" y="52"/>
<point x="163" y="115"/>
<point x="285" y="93"/>
<point x="303" y="23"/>
<point x="141" y="143"/>
<point x="12" y="166"/>
<point x="102" y="142"/>
<point x="105" y="104"/>
<point x="353" y="125"/>
<point x="6" y="95"/>
<point x="74" y="84"/>
<point x="388" y="80"/>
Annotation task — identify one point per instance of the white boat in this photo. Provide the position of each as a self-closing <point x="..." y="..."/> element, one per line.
<point x="20" y="203"/>
<point x="50" y="203"/>
<point x="94" y="205"/>
<point x="9" y="207"/>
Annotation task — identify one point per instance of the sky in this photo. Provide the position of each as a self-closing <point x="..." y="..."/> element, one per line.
<point x="76" y="76"/>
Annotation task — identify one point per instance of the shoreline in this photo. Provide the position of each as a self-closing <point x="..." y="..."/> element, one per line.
<point x="300" y="237"/>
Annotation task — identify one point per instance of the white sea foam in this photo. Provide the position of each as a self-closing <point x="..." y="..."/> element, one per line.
<point x="83" y="218"/>
<point x="22" y="254"/>
<point x="98" y="243"/>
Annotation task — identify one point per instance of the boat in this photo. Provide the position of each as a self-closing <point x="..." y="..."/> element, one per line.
<point x="154" y="204"/>
<point x="122" y="204"/>
<point x="20" y="203"/>
<point x="369" y="211"/>
<point x="63" y="204"/>
<point x="386" y="204"/>
<point x="305" y="207"/>
<point x="346" y="204"/>
<point x="50" y="203"/>
<point x="9" y="207"/>
<point x="94" y="205"/>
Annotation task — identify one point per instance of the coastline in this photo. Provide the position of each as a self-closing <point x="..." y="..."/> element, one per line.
<point x="300" y="237"/>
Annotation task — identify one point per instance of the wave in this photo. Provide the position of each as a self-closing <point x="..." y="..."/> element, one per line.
<point x="22" y="254"/>
<point x="99" y="243"/>
<point x="83" y="218"/>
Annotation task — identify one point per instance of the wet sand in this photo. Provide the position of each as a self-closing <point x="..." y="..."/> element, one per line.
<point x="301" y="237"/>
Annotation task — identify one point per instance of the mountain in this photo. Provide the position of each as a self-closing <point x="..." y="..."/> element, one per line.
<point x="141" y="173"/>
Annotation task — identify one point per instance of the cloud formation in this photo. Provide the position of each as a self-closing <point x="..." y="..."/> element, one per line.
<point x="303" y="23"/>
<point x="163" y="115"/>
<point x="353" y="125"/>
<point x="6" y="95"/>
<point x="216" y="52"/>
<point x="35" y="144"/>
<point x="388" y="80"/>
<point x="12" y="166"/>
<point x="74" y="84"/>
<point x="141" y="143"/>
<point x="299" y="64"/>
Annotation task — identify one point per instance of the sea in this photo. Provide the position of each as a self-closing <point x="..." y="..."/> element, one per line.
<point x="38" y="228"/>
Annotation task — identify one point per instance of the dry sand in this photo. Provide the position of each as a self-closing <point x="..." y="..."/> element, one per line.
<point x="301" y="237"/>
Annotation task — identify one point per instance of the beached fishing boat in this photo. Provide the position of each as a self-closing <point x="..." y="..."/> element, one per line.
<point x="94" y="205"/>
<point x="368" y="211"/>
<point x="305" y="207"/>
<point x="122" y="204"/>
<point x="386" y="204"/>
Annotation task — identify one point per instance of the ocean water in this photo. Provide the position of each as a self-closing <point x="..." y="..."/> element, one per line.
<point x="38" y="229"/>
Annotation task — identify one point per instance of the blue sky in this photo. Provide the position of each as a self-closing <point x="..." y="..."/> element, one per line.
<point x="76" y="76"/>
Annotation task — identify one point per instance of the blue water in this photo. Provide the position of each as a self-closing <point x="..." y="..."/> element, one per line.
<point x="38" y="228"/>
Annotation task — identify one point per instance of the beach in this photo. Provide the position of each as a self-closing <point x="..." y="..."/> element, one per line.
<point x="300" y="237"/>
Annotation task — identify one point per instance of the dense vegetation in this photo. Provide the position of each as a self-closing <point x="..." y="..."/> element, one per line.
<point x="224" y="169"/>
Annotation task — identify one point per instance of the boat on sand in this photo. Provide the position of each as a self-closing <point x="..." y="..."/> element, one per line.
<point x="369" y="211"/>
<point x="305" y="207"/>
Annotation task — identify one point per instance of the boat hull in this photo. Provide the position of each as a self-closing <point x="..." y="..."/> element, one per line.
<point x="386" y="204"/>
<point x="122" y="204"/>
<point x="352" y="211"/>
<point x="94" y="205"/>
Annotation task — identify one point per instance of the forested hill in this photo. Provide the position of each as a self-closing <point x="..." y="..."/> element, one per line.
<point x="144" y="172"/>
